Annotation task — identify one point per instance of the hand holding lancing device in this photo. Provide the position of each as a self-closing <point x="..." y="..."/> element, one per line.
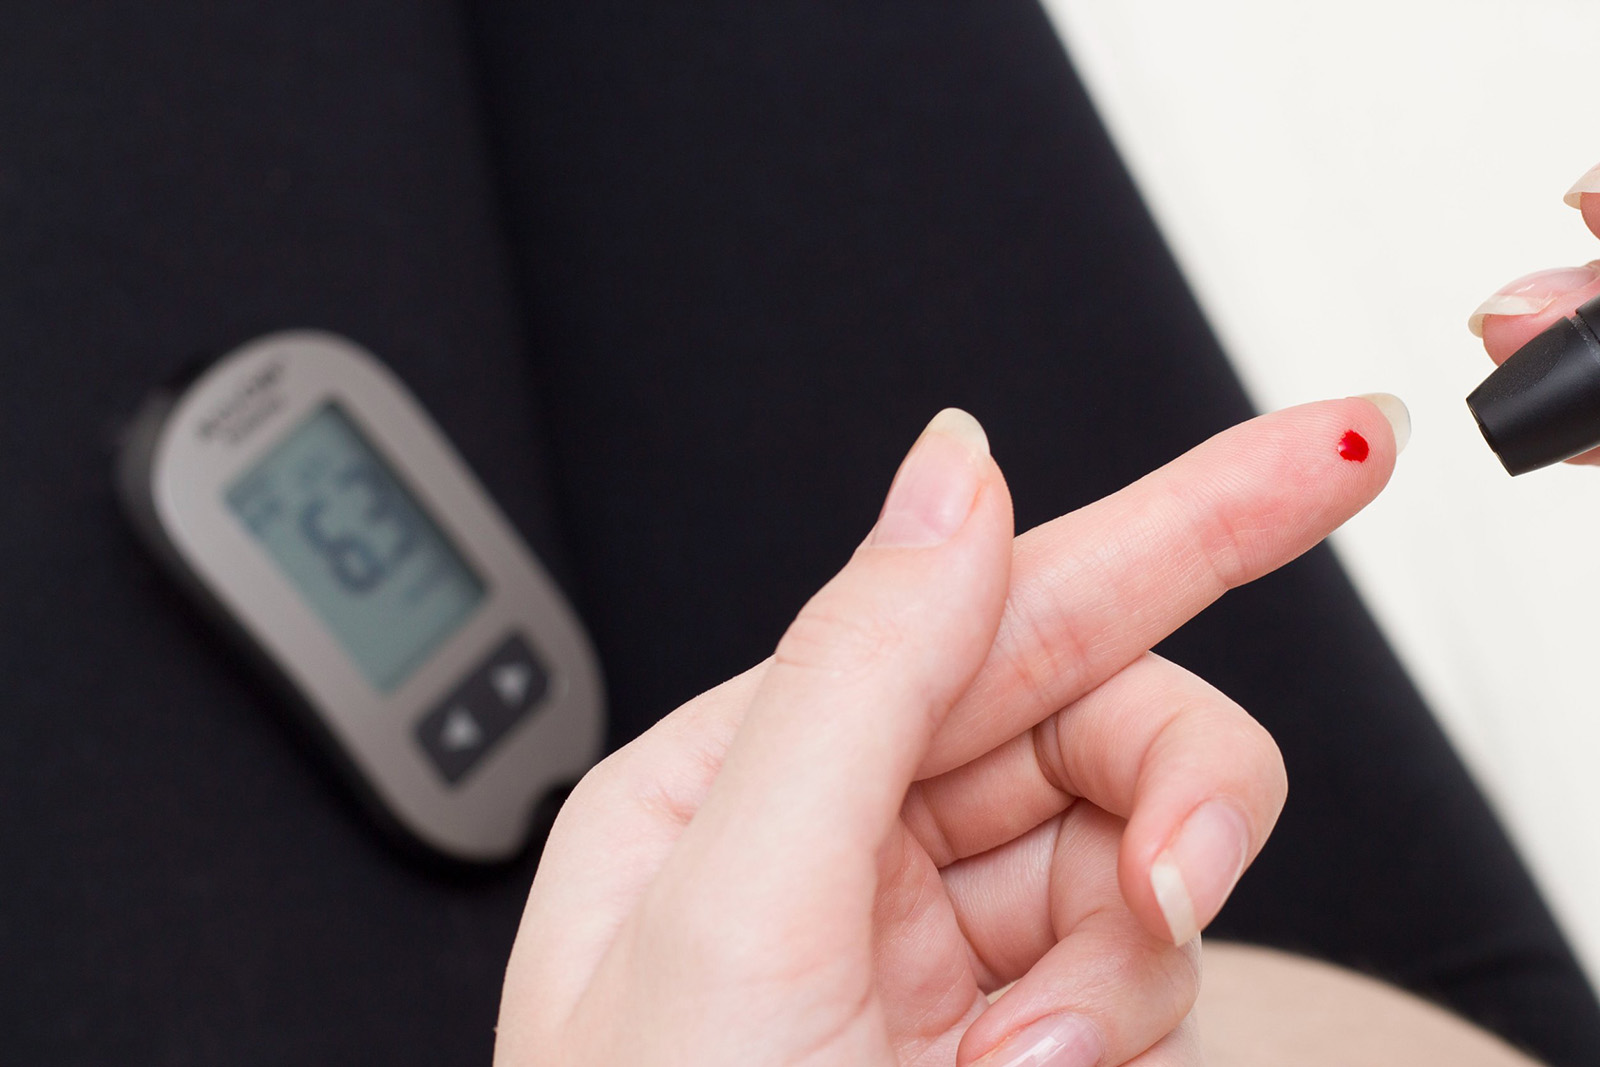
<point x="1525" y="308"/>
<point x="961" y="768"/>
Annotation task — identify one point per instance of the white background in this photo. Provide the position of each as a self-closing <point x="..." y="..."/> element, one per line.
<point x="1343" y="183"/>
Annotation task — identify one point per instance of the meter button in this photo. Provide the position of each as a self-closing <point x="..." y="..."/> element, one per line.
<point x="460" y="731"/>
<point x="514" y="675"/>
<point x="512" y="681"/>
<point x="456" y="735"/>
<point x="483" y="708"/>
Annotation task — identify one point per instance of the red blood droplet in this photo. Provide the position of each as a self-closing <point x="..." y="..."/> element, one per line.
<point x="1353" y="446"/>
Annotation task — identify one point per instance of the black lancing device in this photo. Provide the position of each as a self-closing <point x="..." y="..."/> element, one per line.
<point x="1542" y="405"/>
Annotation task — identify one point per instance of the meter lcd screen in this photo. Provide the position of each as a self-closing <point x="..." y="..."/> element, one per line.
<point x="360" y="549"/>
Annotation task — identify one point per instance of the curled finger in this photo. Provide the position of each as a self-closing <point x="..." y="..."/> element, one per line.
<point x="1092" y="986"/>
<point x="1200" y="781"/>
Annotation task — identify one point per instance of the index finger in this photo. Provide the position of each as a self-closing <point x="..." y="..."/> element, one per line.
<point x="1095" y="589"/>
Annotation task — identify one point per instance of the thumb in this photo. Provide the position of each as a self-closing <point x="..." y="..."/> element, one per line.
<point x="862" y="678"/>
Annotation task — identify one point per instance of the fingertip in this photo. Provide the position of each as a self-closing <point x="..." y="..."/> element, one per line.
<point x="1346" y="449"/>
<point x="1504" y="334"/>
<point x="1588" y="183"/>
<point x="1195" y="874"/>
<point x="1396" y="413"/>
<point x="1589" y="204"/>
<point x="1101" y="995"/>
<point x="947" y="479"/>
<point x="1062" y="1040"/>
<point x="1582" y="194"/>
<point x="1174" y="901"/>
<point x="938" y="483"/>
<point x="1290" y="477"/>
<point x="962" y="426"/>
<point x="1210" y="791"/>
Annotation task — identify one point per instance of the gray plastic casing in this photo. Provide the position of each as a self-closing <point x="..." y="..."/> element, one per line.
<point x="188" y="445"/>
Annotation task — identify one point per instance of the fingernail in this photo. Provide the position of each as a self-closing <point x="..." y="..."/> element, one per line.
<point x="935" y="487"/>
<point x="1054" y="1041"/>
<point x="1589" y="183"/>
<point x="1394" y="409"/>
<point x="1531" y="294"/>
<point x="1194" y="876"/>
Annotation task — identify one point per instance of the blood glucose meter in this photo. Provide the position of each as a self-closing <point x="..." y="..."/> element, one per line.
<point x="302" y="494"/>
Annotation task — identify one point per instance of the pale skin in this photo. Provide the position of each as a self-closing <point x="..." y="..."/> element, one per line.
<point x="1554" y="289"/>
<point x="963" y="776"/>
<point x="1260" y="1008"/>
<point x="961" y="769"/>
<point x="1264" y="1009"/>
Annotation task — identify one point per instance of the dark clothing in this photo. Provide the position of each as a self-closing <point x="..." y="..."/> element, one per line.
<point x="682" y="282"/>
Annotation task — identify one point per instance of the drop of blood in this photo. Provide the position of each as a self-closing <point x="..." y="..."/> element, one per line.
<point x="1353" y="446"/>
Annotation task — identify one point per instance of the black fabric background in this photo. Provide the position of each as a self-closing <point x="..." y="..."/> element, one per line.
<point x="682" y="282"/>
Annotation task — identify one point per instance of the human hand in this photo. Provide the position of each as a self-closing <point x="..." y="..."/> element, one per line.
<point x="961" y="768"/>
<point x="1525" y="308"/>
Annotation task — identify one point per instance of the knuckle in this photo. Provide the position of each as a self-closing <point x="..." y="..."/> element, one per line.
<point x="1228" y="542"/>
<point x="1038" y="644"/>
<point x="1220" y="544"/>
<point x="829" y="637"/>
<point x="1047" y="753"/>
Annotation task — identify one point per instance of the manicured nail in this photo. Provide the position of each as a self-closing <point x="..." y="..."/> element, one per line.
<point x="1589" y="183"/>
<point x="1532" y="294"/>
<point x="1194" y="876"/>
<point x="1054" y="1041"/>
<point x="1394" y="409"/>
<point x="934" y="490"/>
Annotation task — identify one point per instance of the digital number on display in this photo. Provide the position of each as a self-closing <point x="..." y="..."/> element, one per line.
<point x="372" y="564"/>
